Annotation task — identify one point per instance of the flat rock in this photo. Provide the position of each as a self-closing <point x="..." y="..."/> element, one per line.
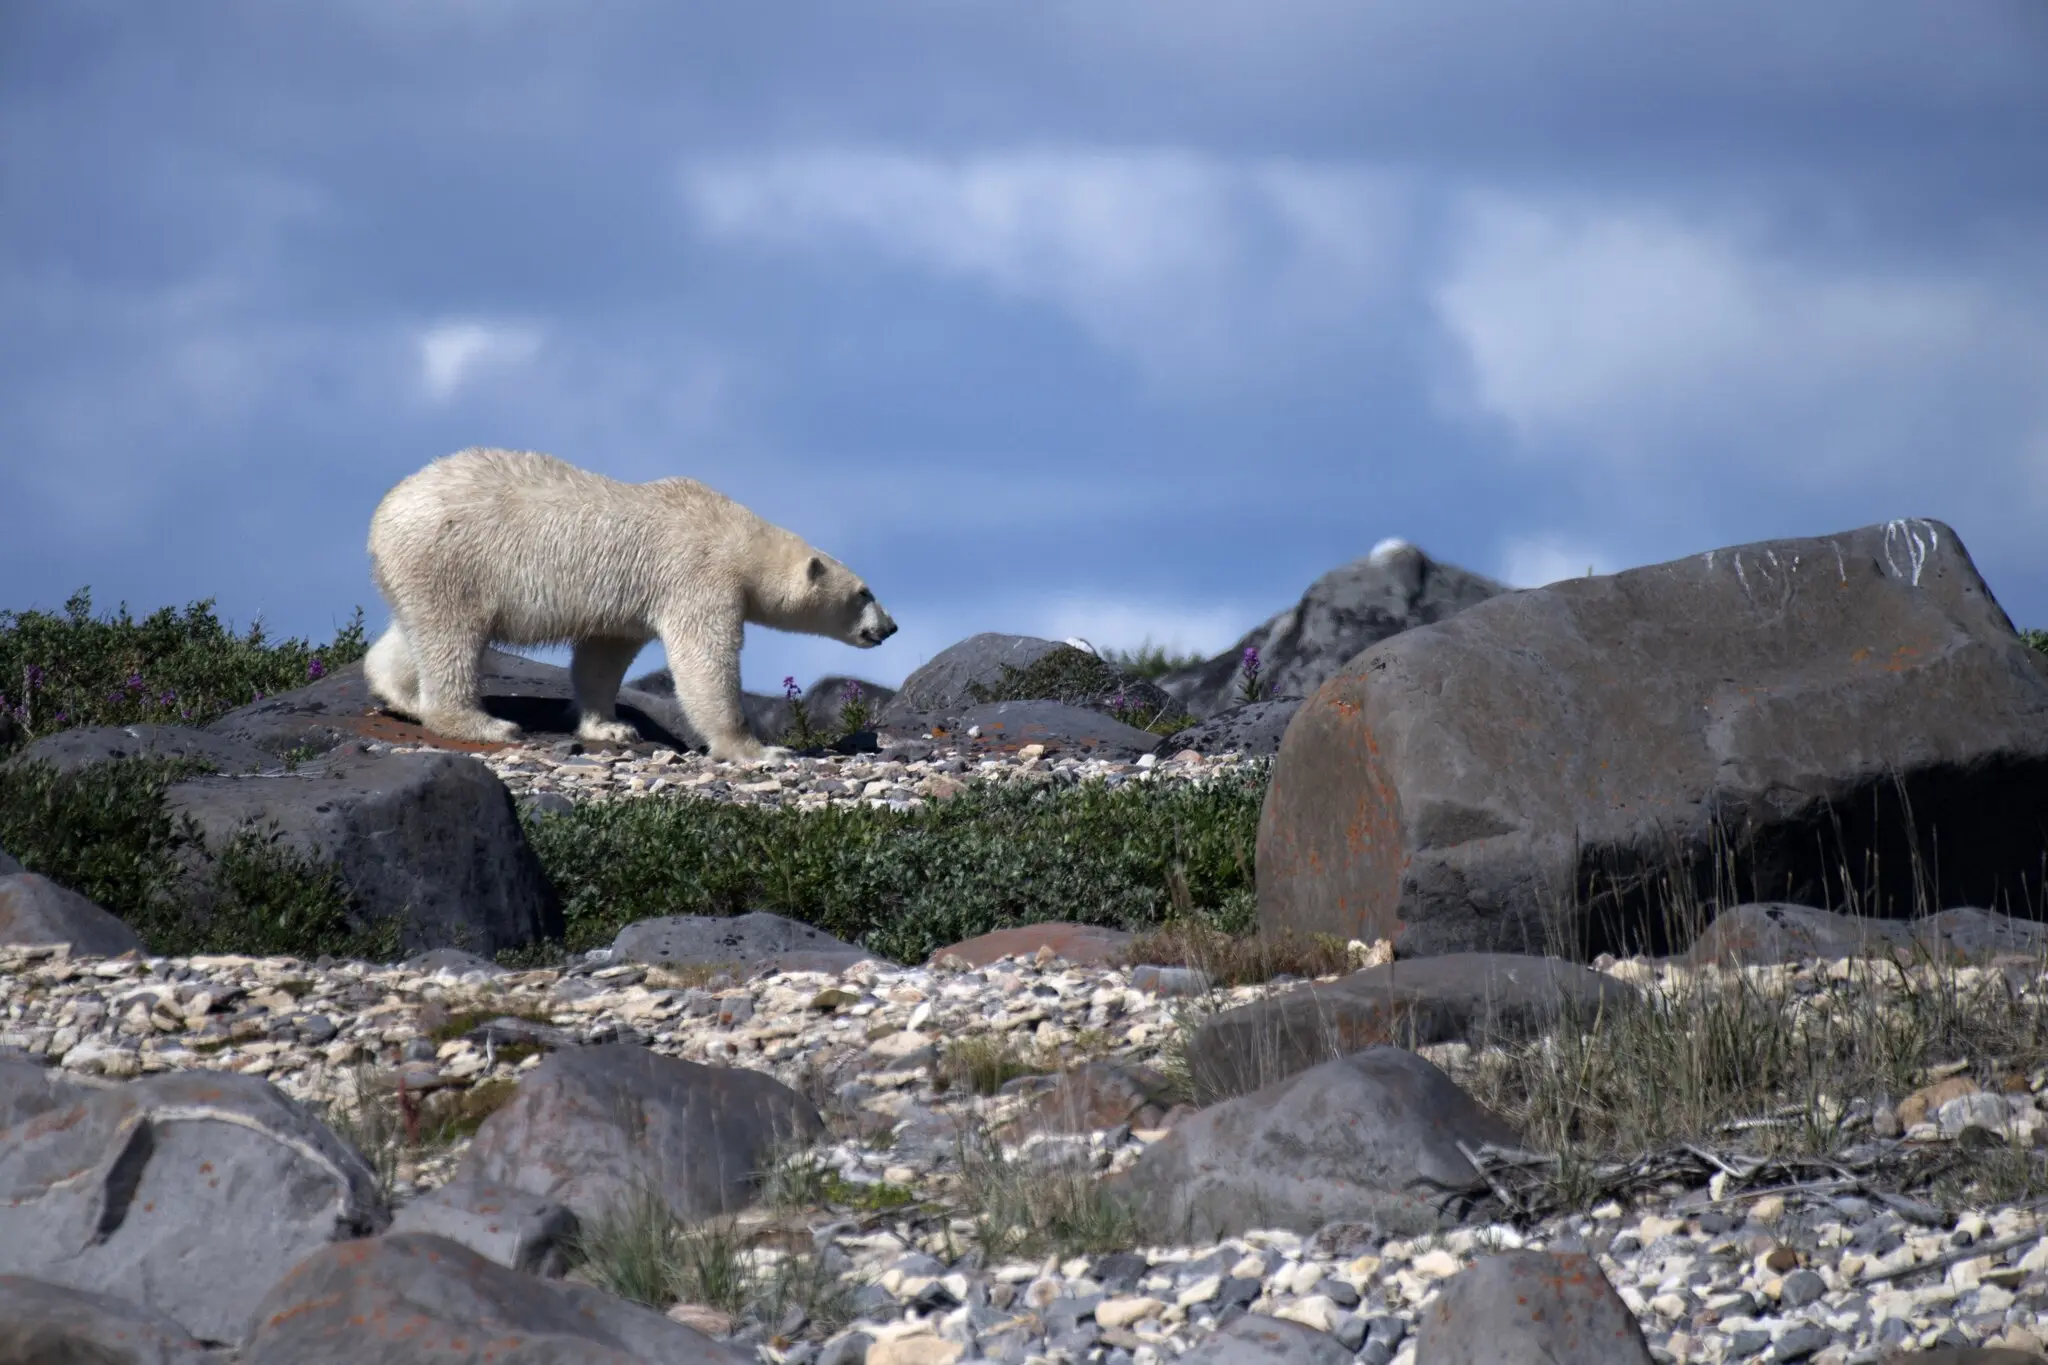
<point x="34" y="909"/>
<point x="1097" y="1095"/>
<point x="1006" y="726"/>
<point x="1369" y="1138"/>
<point x="68" y="751"/>
<point x="1255" y="1339"/>
<point x="409" y="1297"/>
<point x="755" y="939"/>
<point x="1349" y="609"/>
<point x="1777" y="932"/>
<point x="590" y="1127"/>
<point x="1521" y="776"/>
<point x="184" y="1191"/>
<point x="452" y="960"/>
<point x="533" y="695"/>
<point x="516" y="1229"/>
<point x="1253" y="729"/>
<point x="1473" y="998"/>
<point x="430" y="839"/>
<point x="1091" y="944"/>
<point x="1551" y="1306"/>
<point x="52" y="1324"/>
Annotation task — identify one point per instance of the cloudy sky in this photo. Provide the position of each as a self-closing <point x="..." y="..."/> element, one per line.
<point x="1114" y="318"/>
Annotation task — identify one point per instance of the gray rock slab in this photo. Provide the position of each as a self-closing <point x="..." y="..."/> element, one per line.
<point x="755" y="939"/>
<point x="1255" y="1339"/>
<point x="1557" y="769"/>
<point x="593" y="1127"/>
<point x="1370" y="1138"/>
<point x="533" y="695"/>
<point x="1252" y="729"/>
<point x="34" y="909"/>
<point x="184" y="1191"/>
<point x="430" y="839"/>
<point x="408" y="1297"/>
<point x="511" y="1227"/>
<point x="1476" y="998"/>
<point x="1550" y="1306"/>
<point x="68" y="751"/>
<point x="52" y="1324"/>
<point x="1766" y="932"/>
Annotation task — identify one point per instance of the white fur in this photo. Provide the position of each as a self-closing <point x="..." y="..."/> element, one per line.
<point x="490" y="547"/>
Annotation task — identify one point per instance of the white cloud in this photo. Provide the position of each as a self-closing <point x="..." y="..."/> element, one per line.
<point x="1533" y="561"/>
<point x="1188" y="264"/>
<point x="454" y="352"/>
<point x="1645" y="344"/>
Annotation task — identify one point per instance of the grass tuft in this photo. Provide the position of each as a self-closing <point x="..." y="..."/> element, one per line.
<point x="1033" y="1206"/>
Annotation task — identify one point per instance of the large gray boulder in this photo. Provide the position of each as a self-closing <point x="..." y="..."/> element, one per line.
<point x="1550" y="1306"/>
<point x="982" y="670"/>
<point x="755" y="939"/>
<point x="940" y="685"/>
<point x="1370" y="1138"/>
<point x="1523" y="776"/>
<point x="1476" y="998"/>
<point x="184" y="1191"/>
<point x="34" y="909"/>
<point x="533" y="695"/>
<point x="1351" y="608"/>
<point x="68" y="751"/>
<point x="431" y="840"/>
<point x="51" y="1324"/>
<point x="410" y="1297"/>
<point x="593" y="1127"/>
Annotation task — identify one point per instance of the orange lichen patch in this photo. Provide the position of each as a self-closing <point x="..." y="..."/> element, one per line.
<point x="389" y="729"/>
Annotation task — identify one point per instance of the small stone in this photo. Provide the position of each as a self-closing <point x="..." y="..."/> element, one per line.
<point x="1780" y="1259"/>
<point x="915" y="1350"/>
<point x="1800" y="1288"/>
<point x="1122" y="1312"/>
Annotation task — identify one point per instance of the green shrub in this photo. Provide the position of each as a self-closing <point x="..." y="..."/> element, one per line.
<point x="106" y="833"/>
<point x="2037" y="638"/>
<point x="905" y="883"/>
<point x="59" y="670"/>
<point x="1151" y="661"/>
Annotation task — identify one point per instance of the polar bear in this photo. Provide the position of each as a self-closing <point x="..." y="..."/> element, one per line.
<point x="488" y="547"/>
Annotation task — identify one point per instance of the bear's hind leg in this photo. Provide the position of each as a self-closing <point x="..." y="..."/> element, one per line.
<point x="389" y="670"/>
<point x="596" y="670"/>
<point x="707" y="674"/>
<point x="447" y="656"/>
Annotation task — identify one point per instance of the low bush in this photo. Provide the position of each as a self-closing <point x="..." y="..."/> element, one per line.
<point x="172" y="667"/>
<point x="905" y="883"/>
<point x="1064" y="673"/>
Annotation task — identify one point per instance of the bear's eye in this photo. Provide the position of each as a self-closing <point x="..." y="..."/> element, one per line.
<point x="866" y="596"/>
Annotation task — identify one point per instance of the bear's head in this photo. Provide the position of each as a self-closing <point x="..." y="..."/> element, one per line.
<point x="827" y="598"/>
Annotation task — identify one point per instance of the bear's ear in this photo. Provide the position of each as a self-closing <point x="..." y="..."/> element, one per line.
<point x="817" y="569"/>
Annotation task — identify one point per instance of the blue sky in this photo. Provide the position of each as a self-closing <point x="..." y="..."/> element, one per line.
<point x="1123" y="319"/>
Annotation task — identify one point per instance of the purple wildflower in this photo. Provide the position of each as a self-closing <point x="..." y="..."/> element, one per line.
<point x="315" y="669"/>
<point x="169" y="696"/>
<point x="135" y="683"/>
<point x="1251" y="661"/>
<point x="790" y="691"/>
<point x="33" y="676"/>
<point x="851" y="692"/>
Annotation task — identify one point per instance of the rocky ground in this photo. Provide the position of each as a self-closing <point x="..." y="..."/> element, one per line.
<point x="890" y="1054"/>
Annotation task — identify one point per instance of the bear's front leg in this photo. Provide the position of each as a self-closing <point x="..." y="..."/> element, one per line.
<point x="706" y="669"/>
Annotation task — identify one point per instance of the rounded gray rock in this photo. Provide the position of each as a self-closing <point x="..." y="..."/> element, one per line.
<point x="1540" y="1307"/>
